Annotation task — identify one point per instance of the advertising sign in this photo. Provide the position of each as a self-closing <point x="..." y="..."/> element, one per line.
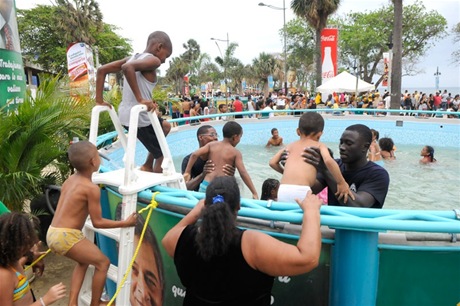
<point x="329" y="39"/>
<point x="386" y="68"/>
<point x="156" y="282"/>
<point x="80" y="65"/>
<point x="12" y="77"/>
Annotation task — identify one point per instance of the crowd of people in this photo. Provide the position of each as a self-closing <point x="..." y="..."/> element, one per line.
<point x="292" y="103"/>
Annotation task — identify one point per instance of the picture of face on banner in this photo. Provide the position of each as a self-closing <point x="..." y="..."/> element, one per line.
<point x="147" y="277"/>
<point x="9" y="38"/>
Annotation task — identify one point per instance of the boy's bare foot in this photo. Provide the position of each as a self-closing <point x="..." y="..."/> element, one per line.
<point x="146" y="169"/>
<point x="104" y="303"/>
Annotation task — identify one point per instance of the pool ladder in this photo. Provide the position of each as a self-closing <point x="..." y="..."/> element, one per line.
<point x="129" y="182"/>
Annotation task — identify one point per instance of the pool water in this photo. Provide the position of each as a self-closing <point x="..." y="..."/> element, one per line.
<point x="412" y="185"/>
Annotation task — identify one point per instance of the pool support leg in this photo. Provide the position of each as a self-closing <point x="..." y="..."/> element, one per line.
<point x="354" y="268"/>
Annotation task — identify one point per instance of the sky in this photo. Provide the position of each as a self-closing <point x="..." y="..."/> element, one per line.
<point x="255" y="28"/>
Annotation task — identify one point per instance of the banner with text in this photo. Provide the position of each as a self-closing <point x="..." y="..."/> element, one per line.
<point x="80" y="65"/>
<point x="329" y="40"/>
<point x="386" y="68"/>
<point x="12" y="77"/>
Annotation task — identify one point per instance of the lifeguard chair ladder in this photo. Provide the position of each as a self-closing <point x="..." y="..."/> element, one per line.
<point x="129" y="182"/>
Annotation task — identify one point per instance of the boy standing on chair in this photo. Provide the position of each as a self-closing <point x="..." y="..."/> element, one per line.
<point x="140" y="78"/>
<point x="80" y="197"/>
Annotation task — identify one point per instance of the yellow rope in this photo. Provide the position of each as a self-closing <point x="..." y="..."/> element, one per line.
<point x="153" y="204"/>
<point x="37" y="260"/>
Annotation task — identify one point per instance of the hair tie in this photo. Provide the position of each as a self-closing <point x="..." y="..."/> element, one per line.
<point x="217" y="199"/>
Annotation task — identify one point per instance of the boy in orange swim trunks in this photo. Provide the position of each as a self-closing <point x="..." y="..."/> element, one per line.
<point x="80" y="197"/>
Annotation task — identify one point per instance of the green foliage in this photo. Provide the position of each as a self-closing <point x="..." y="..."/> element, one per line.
<point x="263" y="66"/>
<point x="43" y="40"/>
<point x="34" y="141"/>
<point x="364" y="36"/>
<point x="76" y="18"/>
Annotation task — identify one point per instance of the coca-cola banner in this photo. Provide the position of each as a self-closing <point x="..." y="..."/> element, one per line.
<point x="329" y="38"/>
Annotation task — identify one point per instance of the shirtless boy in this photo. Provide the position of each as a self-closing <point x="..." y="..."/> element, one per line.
<point x="80" y="197"/>
<point x="221" y="153"/>
<point x="298" y="176"/>
<point x="276" y="140"/>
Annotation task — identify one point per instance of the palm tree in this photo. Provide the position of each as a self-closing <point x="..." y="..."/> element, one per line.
<point x="316" y="13"/>
<point x="263" y="66"/>
<point x="34" y="142"/>
<point x="396" y="64"/>
<point x="77" y="18"/>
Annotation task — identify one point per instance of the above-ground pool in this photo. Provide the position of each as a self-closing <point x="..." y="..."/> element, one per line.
<point x="368" y="255"/>
<point x="412" y="185"/>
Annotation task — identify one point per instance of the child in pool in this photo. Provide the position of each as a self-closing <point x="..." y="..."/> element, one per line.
<point x="270" y="189"/>
<point x="428" y="155"/>
<point x="17" y="236"/>
<point x="221" y="153"/>
<point x="298" y="176"/>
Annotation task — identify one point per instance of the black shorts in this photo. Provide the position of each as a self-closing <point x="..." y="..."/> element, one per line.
<point x="148" y="138"/>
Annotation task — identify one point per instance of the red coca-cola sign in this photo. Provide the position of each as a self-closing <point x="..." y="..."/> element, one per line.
<point x="329" y="38"/>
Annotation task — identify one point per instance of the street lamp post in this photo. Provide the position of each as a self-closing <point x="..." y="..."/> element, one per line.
<point x="285" y="43"/>
<point x="224" y="62"/>
<point x="437" y="74"/>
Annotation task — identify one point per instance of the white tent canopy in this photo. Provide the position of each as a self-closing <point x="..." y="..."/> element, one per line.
<point x="344" y="82"/>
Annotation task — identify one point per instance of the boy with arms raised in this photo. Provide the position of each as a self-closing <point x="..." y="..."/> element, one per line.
<point x="221" y="153"/>
<point x="140" y="78"/>
<point x="80" y="197"/>
<point x="298" y="176"/>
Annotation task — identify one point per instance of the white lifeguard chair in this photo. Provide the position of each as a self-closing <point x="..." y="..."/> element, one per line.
<point x="130" y="180"/>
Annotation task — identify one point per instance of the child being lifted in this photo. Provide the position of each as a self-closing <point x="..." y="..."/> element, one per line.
<point x="221" y="153"/>
<point x="298" y="175"/>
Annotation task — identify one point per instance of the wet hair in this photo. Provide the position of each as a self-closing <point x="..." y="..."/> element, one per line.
<point x="386" y="144"/>
<point x="217" y="229"/>
<point x="160" y="37"/>
<point x="274" y="130"/>
<point x="203" y="130"/>
<point x="231" y="129"/>
<point x="17" y="235"/>
<point x="376" y="133"/>
<point x="363" y="131"/>
<point x="430" y="150"/>
<point x="267" y="187"/>
<point x="80" y="153"/>
<point x="311" y="123"/>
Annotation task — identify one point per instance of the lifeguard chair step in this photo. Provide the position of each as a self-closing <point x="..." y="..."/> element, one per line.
<point x="141" y="180"/>
<point x="112" y="233"/>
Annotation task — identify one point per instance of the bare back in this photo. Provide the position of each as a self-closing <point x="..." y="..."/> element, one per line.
<point x="73" y="207"/>
<point x="221" y="153"/>
<point x="296" y="170"/>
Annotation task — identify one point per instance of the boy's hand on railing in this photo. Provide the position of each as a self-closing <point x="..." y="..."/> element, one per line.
<point x="103" y="103"/>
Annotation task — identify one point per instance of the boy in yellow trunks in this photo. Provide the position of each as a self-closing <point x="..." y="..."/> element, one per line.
<point x="298" y="176"/>
<point x="80" y="197"/>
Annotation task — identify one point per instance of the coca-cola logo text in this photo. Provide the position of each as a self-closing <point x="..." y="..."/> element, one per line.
<point x="328" y="74"/>
<point x="328" y="38"/>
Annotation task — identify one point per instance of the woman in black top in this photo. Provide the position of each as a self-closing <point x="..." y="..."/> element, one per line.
<point x="219" y="264"/>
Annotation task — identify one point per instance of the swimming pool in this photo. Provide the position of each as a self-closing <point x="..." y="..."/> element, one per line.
<point x="356" y="250"/>
<point x="412" y="186"/>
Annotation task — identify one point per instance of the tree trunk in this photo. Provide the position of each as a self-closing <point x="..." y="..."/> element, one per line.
<point x="318" y="58"/>
<point x="396" y="65"/>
